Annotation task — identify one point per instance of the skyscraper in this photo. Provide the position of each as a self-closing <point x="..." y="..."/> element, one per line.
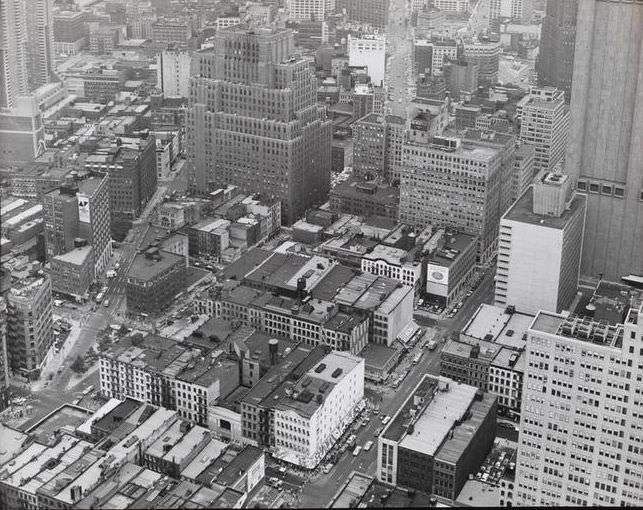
<point x="13" y="60"/>
<point x="555" y="62"/>
<point x="580" y="427"/>
<point x="94" y="218"/>
<point x="253" y="121"/>
<point x="605" y="148"/>
<point x="60" y="210"/>
<point x="39" y="42"/>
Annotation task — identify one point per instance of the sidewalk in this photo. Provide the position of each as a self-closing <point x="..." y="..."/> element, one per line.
<point x="56" y="360"/>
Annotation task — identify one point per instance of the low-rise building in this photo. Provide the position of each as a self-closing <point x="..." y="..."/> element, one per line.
<point x="365" y="198"/>
<point x="393" y="263"/>
<point x="153" y="281"/>
<point x="440" y="435"/>
<point x="73" y="272"/>
<point x="162" y="372"/>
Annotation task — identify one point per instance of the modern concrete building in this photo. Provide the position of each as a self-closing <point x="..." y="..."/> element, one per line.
<point x="581" y="412"/>
<point x="454" y="183"/>
<point x="40" y="42"/>
<point x="13" y="58"/>
<point x="94" y="219"/>
<point x="541" y="237"/>
<point x="555" y="63"/>
<point x="22" y="131"/>
<point x="370" y="51"/>
<point x="439" y="435"/>
<point x="173" y="73"/>
<point x="460" y="6"/>
<point x="544" y="123"/>
<point x="29" y="325"/>
<point x="604" y="151"/>
<point x="253" y="121"/>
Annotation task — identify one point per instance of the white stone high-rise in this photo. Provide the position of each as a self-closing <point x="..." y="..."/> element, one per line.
<point x="39" y="42"/>
<point x="539" y="247"/>
<point x="13" y="52"/>
<point x="581" y="431"/>
<point x="173" y="73"/>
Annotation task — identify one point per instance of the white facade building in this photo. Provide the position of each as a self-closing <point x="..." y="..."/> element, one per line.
<point x="581" y="433"/>
<point x="539" y="247"/>
<point x="173" y="73"/>
<point x="317" y="408"/>
<point x="514" y="9"/>
<point x="452" y="5"/>
<point x="544" y="124"/>
<point x="370" y="51"/>
<point x="390" y="262"/>
<point x="308" y="10"/>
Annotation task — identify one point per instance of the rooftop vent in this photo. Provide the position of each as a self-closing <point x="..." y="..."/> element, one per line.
<point x="336" y="373"/>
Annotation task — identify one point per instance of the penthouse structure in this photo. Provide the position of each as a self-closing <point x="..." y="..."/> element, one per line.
<point x="29" y="325"/>
<point x="541" y="238"/>
<point x="253" y="121"/>
<point x="585" y="450"/>
<point x="162" y="372"/>
<point x="441" y="434"/>
<point x="454" y="183"/>
<point x="544" y="123"/>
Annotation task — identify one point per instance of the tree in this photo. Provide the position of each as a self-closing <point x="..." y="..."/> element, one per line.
<point x="78" y="365"/>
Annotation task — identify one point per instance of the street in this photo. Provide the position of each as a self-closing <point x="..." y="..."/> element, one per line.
<point x="399" y="66"/>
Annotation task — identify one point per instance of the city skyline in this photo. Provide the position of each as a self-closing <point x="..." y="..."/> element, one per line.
<point x="321" y="253"/>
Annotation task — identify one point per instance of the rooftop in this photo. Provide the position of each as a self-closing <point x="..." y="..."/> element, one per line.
<point x="13" y="441"/>
<point x="333" y="280"/>
<point x="390" y="255"/>
<point x="247" y="263"/>
<point x="145" y="268"/>
<point x="77" y="256"/>
<point x="239" y="465"/>
<point x="495" y="324"/>
<point x="354" y="187"/>
<point x="523" y="211"/>
<point x="447" y="248"/>
<point x="579" y="328"/>
<point x="205" y="457"/>
<point x="377" y="355"/>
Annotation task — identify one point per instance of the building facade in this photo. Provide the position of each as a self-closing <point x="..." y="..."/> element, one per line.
<point x="253" y="121"/>
<point x="581" y="412"/>
<point x="173" y="73"/>
<point x="29" y="326"/>
<point x="541" y="238"/>
<point x="94" y="219"/>
<point x="60" y="211"/>
<point x="555" y="63"/>
<point x="606" y="162"/>
<point x="369" y="51"/>
<point x="544" y="123"/>
<point x="73" y="272"/>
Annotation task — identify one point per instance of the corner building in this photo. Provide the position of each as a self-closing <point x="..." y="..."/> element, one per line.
<point x="581" y="426"/>
<point x="253" y="121"/>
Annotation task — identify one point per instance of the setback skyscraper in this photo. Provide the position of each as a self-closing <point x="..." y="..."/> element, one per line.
<point x="605" y="150"/>
<point x="555" y="62"/>
<point x="253" y="121"/>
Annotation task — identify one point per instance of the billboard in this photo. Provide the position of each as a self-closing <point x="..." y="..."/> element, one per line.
<point x="83" y="208"/>
<point x="437" y="280"/>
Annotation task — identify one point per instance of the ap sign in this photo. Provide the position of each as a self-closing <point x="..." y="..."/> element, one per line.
<point x="83" y="209"/>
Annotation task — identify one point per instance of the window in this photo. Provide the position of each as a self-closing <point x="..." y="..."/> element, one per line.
<point x="618" y="192"/>
<point x="593" y="188"/>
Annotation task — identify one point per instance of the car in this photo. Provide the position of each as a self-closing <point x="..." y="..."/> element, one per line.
<point x="378" y="431"/>
<point x="106" y="303"/>
<point x="356" y="451"/>
<point x="368" y="445"/>
<point x="326" y="469"/>
<point x="386" y="419"/>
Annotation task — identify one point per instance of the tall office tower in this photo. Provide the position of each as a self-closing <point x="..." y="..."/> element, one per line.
<point x="40" y="42"/>
<point x="173" y="73"/>
<point x="555" y="62"/>
<point x="539" y="247"/>
<point x="60" y="211"/>
<point x="94" y="219"/>
<point x="580" y="427"/>
<point x="430" y="56"/>
<point x="523" y="170"/>
<point x="369" y="50"/>
<point x="29" y="325"/>
<point x="253" y="121"/>
<point x="370" y="12"/>
<point x="486" y="54"/>
<point x="545" y="124"/>
<point x="13" y="57"/>
<point x="310" y="10"/>
<point x="453" y="183"/>
<point x="605" y="151"/>
<point x="4" y="366"/>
